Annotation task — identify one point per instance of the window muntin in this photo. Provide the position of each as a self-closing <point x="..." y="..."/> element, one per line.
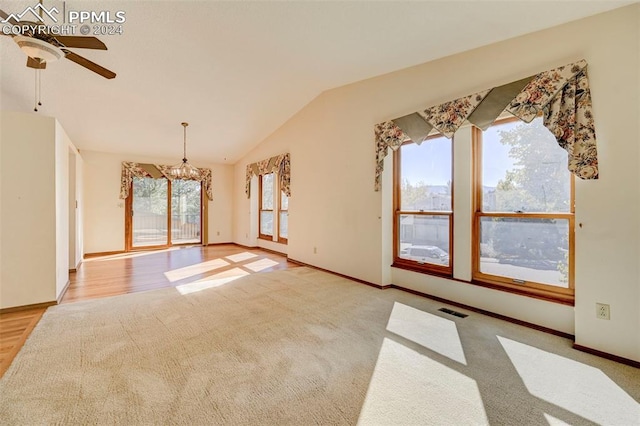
<point x="423" y="205"/>
<point x="524" y="221"/>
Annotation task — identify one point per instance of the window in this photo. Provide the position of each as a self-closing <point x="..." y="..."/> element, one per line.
<point x="516" y="212"/>
<point x="524" y="210"/>
<point x="423" y="208"/>
<point x="274" y="210"/>
<point x="283" y="222"/>
<point x="266" y="206"/>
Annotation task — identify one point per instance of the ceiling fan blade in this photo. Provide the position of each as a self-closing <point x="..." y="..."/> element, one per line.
<point x="36" y="63"/>
<point x="4" y="16"/>
<point x="88" y="64"/>
<point x="81" y="42"/>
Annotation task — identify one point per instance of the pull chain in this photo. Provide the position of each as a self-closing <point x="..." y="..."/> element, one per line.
<point x="38" y="90"/>
<point x="39" y="84"/>
<point x="35" y="102"/>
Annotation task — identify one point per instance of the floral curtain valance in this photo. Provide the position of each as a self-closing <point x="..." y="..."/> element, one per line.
<point x="280" y="164"/>
<point x="131" y="170"/>
<point x="561" y="94"/>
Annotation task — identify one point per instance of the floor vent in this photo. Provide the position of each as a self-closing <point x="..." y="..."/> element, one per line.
<point x="454" y="313"/>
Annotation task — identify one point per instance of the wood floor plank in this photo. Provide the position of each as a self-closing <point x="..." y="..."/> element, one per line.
<point x="125" y="273"/>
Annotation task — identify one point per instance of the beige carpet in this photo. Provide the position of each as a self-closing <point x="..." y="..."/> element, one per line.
<point x="302" y="347"/>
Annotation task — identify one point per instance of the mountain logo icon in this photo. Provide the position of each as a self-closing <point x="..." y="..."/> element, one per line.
<point x="33" y="10"/>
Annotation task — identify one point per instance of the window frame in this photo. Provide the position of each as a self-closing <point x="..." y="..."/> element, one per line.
<point x="528" y="288"/>
<point x="398" y="262"/>
<point x="281" y="240"/>
<point x="260" y="209"/>
<point x="276" y="210"/>
<point x="129" y="214"/>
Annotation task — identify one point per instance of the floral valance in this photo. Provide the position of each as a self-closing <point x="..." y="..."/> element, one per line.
<point x="131" y="170"/>
<point x="280" y="164"/>
<point x="561" y="94"/>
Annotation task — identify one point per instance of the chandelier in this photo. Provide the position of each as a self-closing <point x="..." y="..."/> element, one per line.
<point x="184" y="170"/>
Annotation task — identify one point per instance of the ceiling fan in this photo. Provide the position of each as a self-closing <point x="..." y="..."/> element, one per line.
<point x="41" y="46"/>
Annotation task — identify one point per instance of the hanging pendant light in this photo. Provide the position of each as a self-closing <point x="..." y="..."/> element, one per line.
<point x="184" y="170"/>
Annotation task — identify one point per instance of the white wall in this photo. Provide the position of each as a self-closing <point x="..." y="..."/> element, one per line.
<point x="79" y="209"/>
<point x="35" y="209"/>
<point x="28" y="223"/>
<point x="104" y="210"/>
<point x="334" y="208"/>
<point x="62" y="144"/>
<point x="71" y="202"/>
<point x="75" y="210"/>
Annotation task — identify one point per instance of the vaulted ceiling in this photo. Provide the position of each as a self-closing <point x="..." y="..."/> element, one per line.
<point x="237" y="70"/>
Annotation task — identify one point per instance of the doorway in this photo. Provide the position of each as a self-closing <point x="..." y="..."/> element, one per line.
<point x="161" y="213"/>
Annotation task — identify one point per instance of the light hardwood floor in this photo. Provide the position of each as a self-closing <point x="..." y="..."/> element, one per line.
<point x="132" y="272"/>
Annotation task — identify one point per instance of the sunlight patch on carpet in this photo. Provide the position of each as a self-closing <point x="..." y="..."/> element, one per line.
<point x="413" y="387"/>
<point x="212" y="281"/>
<point x="197" y="269"/>
<point x="572" y="385"/>
<point x="552" y="421"/>
<point x="428" y="330"/>
<point x="260" y="265"/>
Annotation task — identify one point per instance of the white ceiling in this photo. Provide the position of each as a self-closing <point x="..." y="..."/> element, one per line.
<point x="238" y="70"/>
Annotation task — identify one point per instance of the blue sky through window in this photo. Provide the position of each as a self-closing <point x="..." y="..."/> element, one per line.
<point x="430" y="162"/>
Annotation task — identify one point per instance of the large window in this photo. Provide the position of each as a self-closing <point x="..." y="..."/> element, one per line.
<point x="515" y="215"/>
<point x="273" y="218"/>
<point x="524" y="210"/>
<point x="423" y="206"/>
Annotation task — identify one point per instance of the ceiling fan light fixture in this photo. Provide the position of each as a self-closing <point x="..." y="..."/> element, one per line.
<point x="184" y="170"/>
<point x="35" y="48"/>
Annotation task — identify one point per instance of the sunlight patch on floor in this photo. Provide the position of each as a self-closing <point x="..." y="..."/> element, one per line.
<point x="241" y="257"/>
<point x="572" y="385"/>
<point x="212" y="281"/>
<point x="260" y="265"/>
<point x="431" y="331"/>
<point x="410" y="388"/>
<point x="129" y="255"/>
<point x="197" y="269"/>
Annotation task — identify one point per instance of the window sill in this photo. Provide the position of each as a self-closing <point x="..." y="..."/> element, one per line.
<point x="271" y="240"/>
<point x="547" y="296"/>
<point x="414" y="267"/>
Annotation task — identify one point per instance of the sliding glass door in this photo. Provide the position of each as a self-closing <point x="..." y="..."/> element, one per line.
<point x="150" y="212"/>
<point x="186" y="202"/>
<point x="149" y="224"/>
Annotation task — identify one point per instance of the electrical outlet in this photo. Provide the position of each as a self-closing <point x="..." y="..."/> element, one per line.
<point x="315" y="250"/>
<point x="218" y="233"/>
<point x="602" y="311"/>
